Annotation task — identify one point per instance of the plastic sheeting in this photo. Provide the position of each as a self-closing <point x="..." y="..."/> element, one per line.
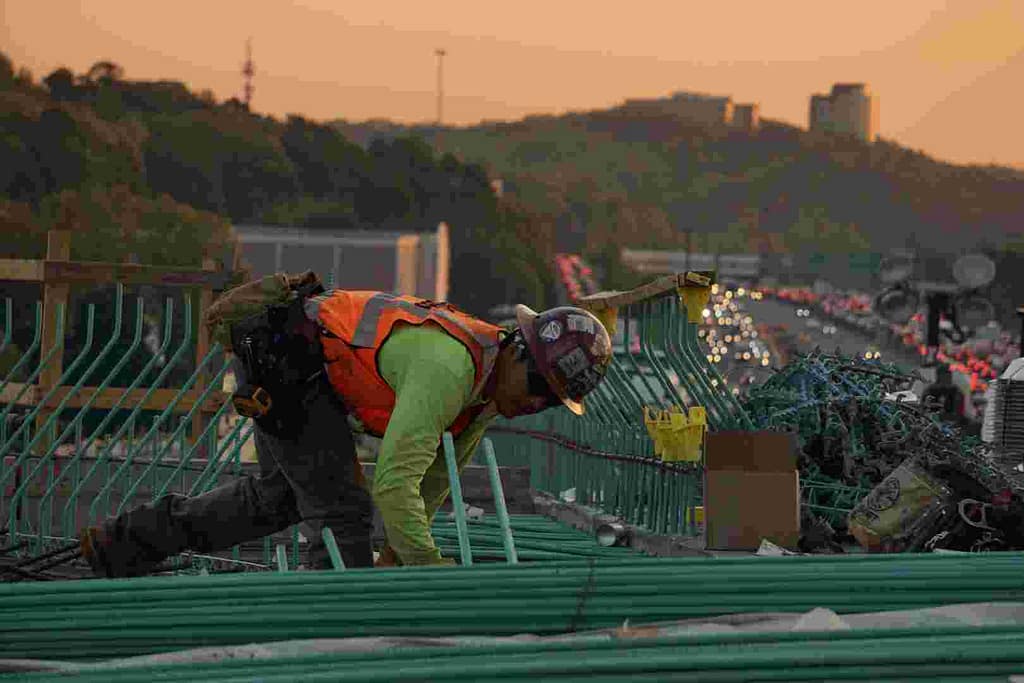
<point x="816" y="620"/>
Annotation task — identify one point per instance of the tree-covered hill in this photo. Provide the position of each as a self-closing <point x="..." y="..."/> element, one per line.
<point x="652" y="178"/>
<point x="154" y="172"/>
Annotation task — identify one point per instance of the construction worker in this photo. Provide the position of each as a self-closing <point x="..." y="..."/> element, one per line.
<point x="396" y="367"/>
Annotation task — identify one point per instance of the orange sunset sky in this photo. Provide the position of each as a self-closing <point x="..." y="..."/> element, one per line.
<point x="948" y="73"/>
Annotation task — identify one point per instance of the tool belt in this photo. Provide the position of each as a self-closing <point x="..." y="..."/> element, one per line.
<point x="280" y="353"/>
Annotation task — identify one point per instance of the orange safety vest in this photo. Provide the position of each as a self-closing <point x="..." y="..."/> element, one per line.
<point x="355" y="324"/>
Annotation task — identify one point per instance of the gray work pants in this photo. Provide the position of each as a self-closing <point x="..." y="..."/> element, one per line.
<point x="307" y="475"/>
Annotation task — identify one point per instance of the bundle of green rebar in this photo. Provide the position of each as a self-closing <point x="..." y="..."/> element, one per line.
<point x="537" y="538"/>
<point x="99" y="619"/>
<point x="961" y="653"/>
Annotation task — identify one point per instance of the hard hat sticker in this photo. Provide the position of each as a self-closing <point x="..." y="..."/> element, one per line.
<point x="580" y="323"/>
<point x="573" y="363"/>
<point x="551" y="332"/>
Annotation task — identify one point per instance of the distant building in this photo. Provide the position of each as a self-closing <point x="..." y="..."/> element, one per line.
<point x="849" y="108"/>
<point x="705" y="108"/>
<point x="404" y="263"/>
<point x="746" y="267"/>
<point x="699" y="108"/>
<point x="746" y="116"/>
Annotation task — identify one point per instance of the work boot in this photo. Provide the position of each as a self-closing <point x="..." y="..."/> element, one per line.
<point x="113" y="558"/>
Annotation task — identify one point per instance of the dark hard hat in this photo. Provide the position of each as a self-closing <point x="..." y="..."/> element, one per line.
<point x="571" y="349"/>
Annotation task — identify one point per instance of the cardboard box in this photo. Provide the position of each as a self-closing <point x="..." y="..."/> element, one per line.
<point x="751" y="490"/>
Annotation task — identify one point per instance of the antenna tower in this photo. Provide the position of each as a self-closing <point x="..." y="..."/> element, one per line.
<point x="248" y="71"/>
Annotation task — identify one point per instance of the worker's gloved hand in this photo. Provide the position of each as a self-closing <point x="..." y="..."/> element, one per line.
<point x="111" y="557"/>
<point x="388" y="558"/>
<point x="445" y="562"/>
<point x="431" y="561"/>
<point x="91" y="540"/>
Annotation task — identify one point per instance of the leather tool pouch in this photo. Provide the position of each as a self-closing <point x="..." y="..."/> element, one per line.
<point x="281" y="354"/>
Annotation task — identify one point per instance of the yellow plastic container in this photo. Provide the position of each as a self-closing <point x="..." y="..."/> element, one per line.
<point x="684" y="438"/>
<point x="698" y="515"/>
<point x="655" y="428"/>
<point x="696" y="300"/>
<point x="678" y="434"/>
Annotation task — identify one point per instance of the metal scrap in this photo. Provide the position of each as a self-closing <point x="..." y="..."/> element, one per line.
<point x="853" y="435"/>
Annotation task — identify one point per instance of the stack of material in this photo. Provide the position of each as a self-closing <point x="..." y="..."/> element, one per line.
<point x="988" y="421"/>
<point x="961" y="653"/>
<point x="1006" y="415"/>
<point x="103" y="619"/>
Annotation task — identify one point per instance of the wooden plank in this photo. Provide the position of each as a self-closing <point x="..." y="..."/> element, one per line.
<point x="160" y="399"/>
<point x="202" y="348"/>
<point x="95" y="272"/>
<point x="62" y="270"/>
<point x="10" y="393"/>
<point x="604" y="300"/>
<point x="667" y="283"/>
<point x="55" y="298"/>
<point x="20" y="270"/>
<point x="407" y="264"/>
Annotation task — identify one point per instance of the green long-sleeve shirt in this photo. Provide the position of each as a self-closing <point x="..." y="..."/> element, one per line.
<point x="432" y="376"/>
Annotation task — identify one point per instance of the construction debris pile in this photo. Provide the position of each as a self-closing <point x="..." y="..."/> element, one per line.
<point x="883" y="470"/>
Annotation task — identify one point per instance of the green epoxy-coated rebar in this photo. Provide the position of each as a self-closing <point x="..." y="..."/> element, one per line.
<point x="282" y="558"/>
<point x="51" y="422"/>
<point x="165" y="416"/>
<point x="535" y="538"/>
<point x="46" y="502"/>
<point x="565" y="454"/>
<point x="332" y="548"/>
<point x="103" y="456"/>
<point x="67" y="521"/>
<point x="458" y="507"/>
<point x="135" y="616"/>
<point x="499" y="502"/>
<point x="43" y="363"/>
<point x="869" y="654"/>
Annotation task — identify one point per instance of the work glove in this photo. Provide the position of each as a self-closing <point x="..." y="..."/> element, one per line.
<point x="389" y="558"/>
<point x="445" y="562"/>
<point x="94" y="544"/>
<point x="113" y="558"/>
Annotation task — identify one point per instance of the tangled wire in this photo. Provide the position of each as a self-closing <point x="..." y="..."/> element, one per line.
<point x="855" y="428"/>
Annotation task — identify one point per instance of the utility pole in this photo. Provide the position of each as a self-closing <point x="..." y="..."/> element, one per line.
<point x="440" y="84"/>
<point x="440" y="53"/>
